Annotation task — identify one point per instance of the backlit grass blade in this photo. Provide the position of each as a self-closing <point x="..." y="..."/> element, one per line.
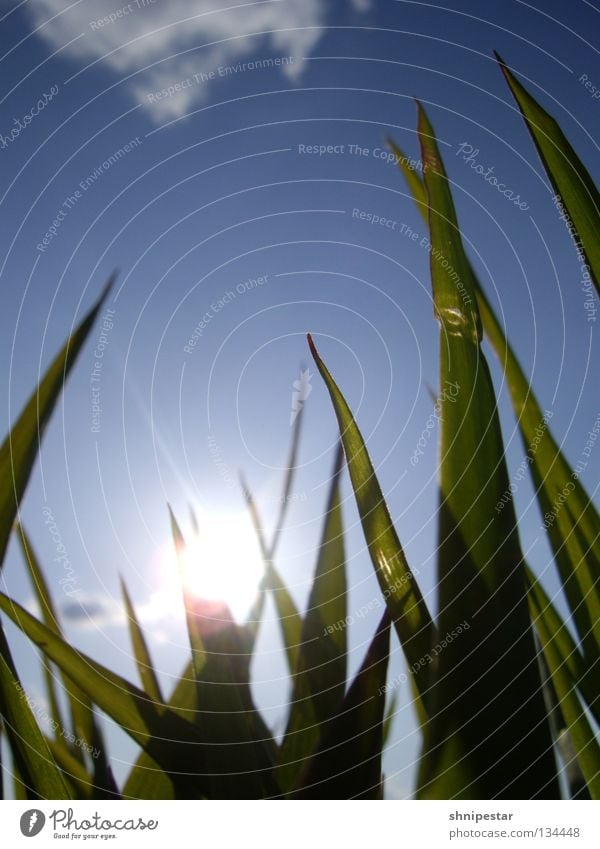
<point x="236" y="741"/>
<point x="413" y="179"/>
<point x="319" y="680"/>
<point x="140" y="650"/>
<point x="570" y="519"/>
<point x="83" y="722"/>
<point x="572" y="522"/>
<point x="290" y="621"/>
<point x="35" y="764"/>
<point x="20" y="448"/>
<point x="578" y="726"/>
<point x="400" y="589"/>
<point x="193" y="622"/>
<point x="488" y="734"/>
<point x="347" y="763"/>
<point x="577" y="199"/>
<point x="171" y="742"/>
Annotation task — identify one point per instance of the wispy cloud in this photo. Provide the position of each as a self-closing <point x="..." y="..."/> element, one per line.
<point x="158" y="43"/>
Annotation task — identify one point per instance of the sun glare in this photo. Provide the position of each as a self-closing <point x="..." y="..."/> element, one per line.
<point x="222" y="563"/>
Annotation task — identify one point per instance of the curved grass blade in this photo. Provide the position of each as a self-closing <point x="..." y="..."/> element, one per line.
<point x="578" y="726"/>
<point x="574" y="532"/>
<point x="20" y="448"/>
<point x="32" y="758"/>
<point x="347" y="763"/>
<point x="84" y="723"/>
<point x="140" y="650"/>
<point x="170" y="741"/>
<point x="570" y="179"/>
<point x="407" y="607"/>
<point x="487" y="689"/>
<point x="319" y="680"/>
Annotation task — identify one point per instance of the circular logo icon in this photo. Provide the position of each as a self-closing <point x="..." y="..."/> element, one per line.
<point x="32" y="822"/>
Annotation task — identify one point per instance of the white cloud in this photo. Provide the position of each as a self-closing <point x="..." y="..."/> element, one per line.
<point x="180" y="38"/>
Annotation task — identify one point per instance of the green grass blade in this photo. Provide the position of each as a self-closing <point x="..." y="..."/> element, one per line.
<point x="140" y="650"/>
<point x="413" y="179"/>
<point x="574" y="531"/>
<point x="74" y="773"/>
<point x="319" y="680"/>
<point x="20" y="448"/>
<point x="573" y="525"/>
<point x="569" y="177"/>
<point x="35" y="764"/>
<point x="578" y="726"/>
<point x="83" y="721"/>
<point x="544" y="610"/>
<point x="290" y="621"/>
<point x="480" y="572"/>
<point x="347" y="763"/>
<point x="407" y="607"/>
<point x="172" y="742"/>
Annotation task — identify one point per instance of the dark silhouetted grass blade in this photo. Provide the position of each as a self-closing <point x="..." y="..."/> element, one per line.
<point x="347" y="763"/>
<point x="140" y="650"/>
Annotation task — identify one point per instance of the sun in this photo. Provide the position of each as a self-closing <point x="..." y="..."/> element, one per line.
<point x="222" y="562"/>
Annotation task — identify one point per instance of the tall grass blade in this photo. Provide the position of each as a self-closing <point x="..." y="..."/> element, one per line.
<point x="570" y="518"/>
<point x="83" y="722"/>
<point x="407" y="607"/>
<point x="487" y="689"/>
<point x="570" y="179"/>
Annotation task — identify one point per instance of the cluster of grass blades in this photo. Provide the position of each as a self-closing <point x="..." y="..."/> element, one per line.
<point x="504" y="710"/>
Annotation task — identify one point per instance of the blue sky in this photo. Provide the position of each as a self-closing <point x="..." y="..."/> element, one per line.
<point x="190" y="125"/>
